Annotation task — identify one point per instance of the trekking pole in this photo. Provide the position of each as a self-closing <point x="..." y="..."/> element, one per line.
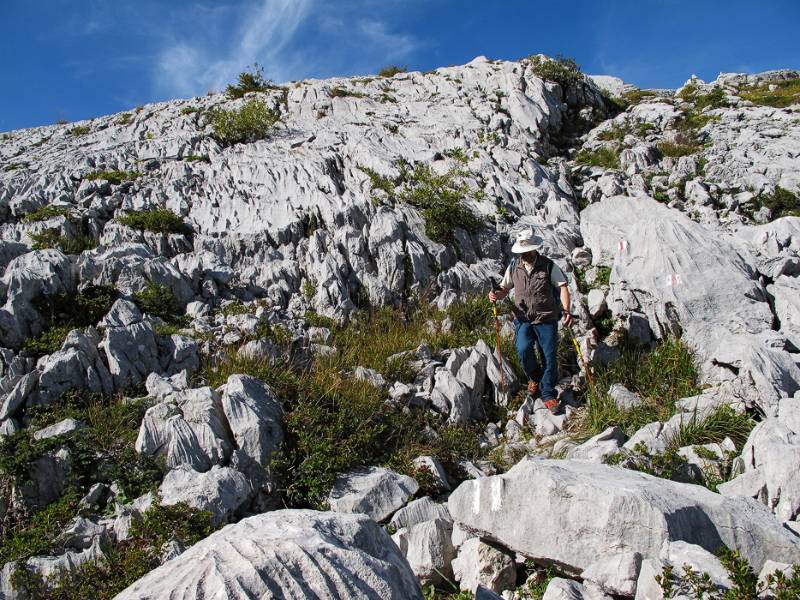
<point x="582" y="359"/>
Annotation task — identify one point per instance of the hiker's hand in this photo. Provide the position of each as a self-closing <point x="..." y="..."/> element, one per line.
<point x="496" y="295"/>
<point x="568" y="319"/>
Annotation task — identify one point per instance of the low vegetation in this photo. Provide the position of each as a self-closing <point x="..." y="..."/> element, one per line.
<point x="781" y="203"/>
<point x="79" y="130"/>
<point x="115" y="177"/>
<point x="253" y="121"/>
<point x="159" y="301"/>
<point x="252" y="80"/>
<point x="158" y="220"/>
<point x="784" y="93"/>
<point x="391" y="71"/>
<point x="680" y="147"/>
<point x="68" y="244"/>
<point x="342" y="92"/>
<point x="561" y="70"/>
<point x="605" y="157"/>
<point x="44" y="213"/>
<point x="62" y="313"/>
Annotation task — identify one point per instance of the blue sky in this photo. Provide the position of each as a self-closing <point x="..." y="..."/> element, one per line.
<point x="76" y="59"/>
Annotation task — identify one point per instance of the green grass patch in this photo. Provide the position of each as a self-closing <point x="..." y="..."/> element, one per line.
<point x="189" y="110"/>
<point x="616" y="132"/>
<point x="44" y="213"/>
<point x="678" y="149"/>
<point x="603" y="276"/>
<point x="714" y="428"/>
<point x="196" y="158"/>
<point x="781" y="203"/>
<point x="561" y="70"/>
<point x="602" y="157"/>
<point x="253" y="121"/>
<point x="68" y="244"/>
<point x="637" y="96"/>
<point x="80" y="130"/>
<point x="785" y="93"/>
<point x="342" y="92"/>
<point x="115" y="177"/>
<point x="123" y="119"/>
<point x="661" y="377"/>
<point x="159" y="220"/>
<point x="159" y="301"/>
<point x="457" y="154"/>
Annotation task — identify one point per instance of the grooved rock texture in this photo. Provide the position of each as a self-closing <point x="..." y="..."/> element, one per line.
<point x="286" y="554"/>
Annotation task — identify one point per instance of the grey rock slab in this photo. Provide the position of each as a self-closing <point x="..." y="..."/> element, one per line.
<point x="286" y="554"/>
<point x="623" y="397"/>
<point x="373" y="491"/>
<point x="428" y="548"/>
<point x="418" y="511"/>
<point x="222" y="491"/>
<point x="61" y="428"/>
<point x="596" y="303"/>
<point x="479" y="563"/>
<point x="681" y="554"/>
<point x="589" y="525"/>
<point x="616" y="574"/>
<point x="369" y="375"/>
<point x="254" y="415"/>
<point x="600" y="446"/>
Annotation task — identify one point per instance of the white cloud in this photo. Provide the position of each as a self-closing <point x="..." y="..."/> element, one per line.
<point x="291" y="39"/>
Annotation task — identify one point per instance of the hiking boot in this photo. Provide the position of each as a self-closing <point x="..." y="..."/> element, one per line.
<point x="533" y="388"/>
<point x="552" y="406"/>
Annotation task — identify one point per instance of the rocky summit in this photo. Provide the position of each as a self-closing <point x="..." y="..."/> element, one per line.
<point x="246" y="351"/>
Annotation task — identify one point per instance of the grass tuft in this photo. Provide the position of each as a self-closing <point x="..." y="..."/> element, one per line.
<point x="159" y="220"/>
<point x="252" y="122"/>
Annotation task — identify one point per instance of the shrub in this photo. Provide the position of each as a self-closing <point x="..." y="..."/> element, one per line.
<point x="79" y="130"/>
<point x="563" y="71"/>
<point x="68" y="244"/>
<point x="48" y="341"/>
<point x="785" y="93"/>
<point x="309" y="289"/>
<point x="314" y="319"/>
<point x="158" y="220"/>
<point x="340" y="92"/>
<point x="378" y="182"/>
<point x="602" y="157"/>
<point x="251" y="122"/>
<point x="439" y="199"/>
<point x="457" y="154"/>
<point x="45" y="212"/>
<point x="781" y="203"/>
<point x="603" y="276"/>
<point x="616" y="132"/>
<point x="115" y="177"/>
<point x="123" y="119"/>
<point x="636" y="96"/>
<point x="159" y="301"/>
<point x="188" y="110"/>
<point x="249" y="81"/>
<point x="391" y="71"/>
<point x="196" y="158"/>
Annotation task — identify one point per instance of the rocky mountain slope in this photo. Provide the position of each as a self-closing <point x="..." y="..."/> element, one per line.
<point x="220" y="313"/>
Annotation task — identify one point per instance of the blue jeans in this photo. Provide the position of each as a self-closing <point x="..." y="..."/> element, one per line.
<point x="545" y="335"/>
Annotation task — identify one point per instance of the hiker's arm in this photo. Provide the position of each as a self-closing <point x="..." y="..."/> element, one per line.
<point x="498" y="294"/>
<point x="565" y="302"/>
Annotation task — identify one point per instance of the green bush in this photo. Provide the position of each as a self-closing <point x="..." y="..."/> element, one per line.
<point x="636" y="96"/>
<point x="457" y="154"/>
<point x="61" y="313"/>
<point x="123" y="119"/>
<point x="68" y="244"/>
<point x="252" y="122"/>
<point x="391" y="71"/>
<point x="378" y="182"/>
<point x="340" y="92"/>
<point x="563" y="71"/>
<point x="115" y="177"/>
<point x="616" y="132"/>
<point x="678" y="149"/>
<point x="249" y="81"/>
<point x="603" y="276"/>
<point x="159" y="301"/>
<point x="439" y="198"/>
<point x="602" y="157"/>
<point x="781" y="203"/>
<point x="196" y="158"/>
<point x="188" y="110"/>
<point x="45" y="212"/>
<point x="314" y="319"/>
<point x="79" y="130"/>
<point x="158" y="220"/>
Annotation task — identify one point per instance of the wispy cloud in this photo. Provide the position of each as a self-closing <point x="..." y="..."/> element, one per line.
<point x="291" y="39"/>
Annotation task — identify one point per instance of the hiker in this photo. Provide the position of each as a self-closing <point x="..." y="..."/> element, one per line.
<point x="541" y="296"/>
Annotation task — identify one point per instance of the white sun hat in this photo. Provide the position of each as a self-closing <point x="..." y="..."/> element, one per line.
<point x="527" y="241"/>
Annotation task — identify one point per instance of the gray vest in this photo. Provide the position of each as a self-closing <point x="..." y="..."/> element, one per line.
<point x="534" y="297"/>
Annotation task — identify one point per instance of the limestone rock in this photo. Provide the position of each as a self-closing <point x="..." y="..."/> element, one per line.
<point x="418" y="511"/>
<point x="590" y="527"/>
<point x="331" y="555"/>
<point x="479" y="563"/>
<point x="616" y="574"/>
<point x="254" y="415"/>
<point x="428" y="549"/>
<point x="373" y="491"/>
<point x="222" y="491"/>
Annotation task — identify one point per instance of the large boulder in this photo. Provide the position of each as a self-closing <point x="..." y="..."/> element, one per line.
<point x="286" y="554"/>
<point x="222" y="491"/>
<point x="428" y="547"/>
<point x="585" y="512"/>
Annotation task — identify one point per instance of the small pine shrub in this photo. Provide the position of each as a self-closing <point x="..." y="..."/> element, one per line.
<point x="188" y="110"/>
<point x="45" y="212"/>
<point x="340" y="92"/>
<point x="781" y="203"/>
<point x="159" y="301"/>
<point x="79" y="130"/>
<point x="391" y="71"/>
<point x="68" y="244"/>
<point x="249" y="81"/>
<point x="457" y="154"/>
<point x="637" y="96"/>
<point x="115" y="177"/>
<point x="159" y="220"/>
<point x="602" y="157"/>
<point x="250" y="123"/>
<point x="561" y="70"/>
<point x="123" y="119"/>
